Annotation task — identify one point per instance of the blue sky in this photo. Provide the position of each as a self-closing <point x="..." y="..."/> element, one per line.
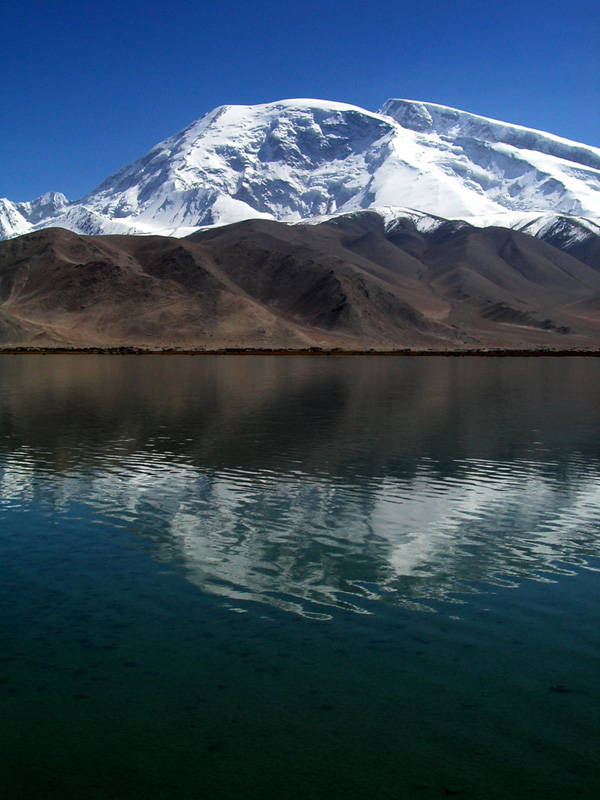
<point x="88" y="87"/>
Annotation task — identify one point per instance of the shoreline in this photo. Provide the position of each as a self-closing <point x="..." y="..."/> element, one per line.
<point x="242" y="351"/>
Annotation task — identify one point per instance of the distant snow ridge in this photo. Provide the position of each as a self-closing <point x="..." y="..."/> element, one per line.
<point x="18" y="218"/>
<point x="301" y="159"/>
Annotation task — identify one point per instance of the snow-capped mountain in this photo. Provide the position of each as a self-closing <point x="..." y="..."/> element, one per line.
<point x="18" y="218"/>
<point x="300" y="159"/>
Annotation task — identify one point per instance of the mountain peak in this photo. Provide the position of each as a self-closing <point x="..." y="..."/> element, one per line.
<point x="451" y="122"/>
<point x="410" y="114"/>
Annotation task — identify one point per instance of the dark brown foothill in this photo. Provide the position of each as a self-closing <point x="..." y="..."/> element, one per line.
<point x="262" y="286"/>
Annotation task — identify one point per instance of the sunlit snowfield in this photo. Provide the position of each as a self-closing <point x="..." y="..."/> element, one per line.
<point x="298" y="577"/>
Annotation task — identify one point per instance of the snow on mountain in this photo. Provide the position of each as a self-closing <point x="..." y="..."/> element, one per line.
<point x="517" y="168"/>
<point x="300" y="159"/>
<point x="12" y="222"/>
<point x="577" y="236"/>
<point x="575" y="228"/>
<point x="449" y="122"/>
<point x="18" y="218"/>
<point x="287" y="160"/>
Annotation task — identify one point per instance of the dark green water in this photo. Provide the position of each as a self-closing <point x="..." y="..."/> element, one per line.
<point x="299" y="577"/>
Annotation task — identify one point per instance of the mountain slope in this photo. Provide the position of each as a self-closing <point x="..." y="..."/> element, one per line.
<point x="353" y="282"/>
<point x="299" y="159"/>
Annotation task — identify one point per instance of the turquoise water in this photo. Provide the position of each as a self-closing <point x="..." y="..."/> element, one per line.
<point x="299" y="577"/>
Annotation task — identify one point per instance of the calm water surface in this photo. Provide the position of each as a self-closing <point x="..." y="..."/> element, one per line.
<point x="294" y="578"/>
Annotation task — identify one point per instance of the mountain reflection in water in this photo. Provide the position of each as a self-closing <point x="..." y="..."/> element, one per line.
<point x="312" y="482"/>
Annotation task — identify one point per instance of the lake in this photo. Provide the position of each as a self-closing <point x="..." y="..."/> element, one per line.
<point x="299" y="577"/>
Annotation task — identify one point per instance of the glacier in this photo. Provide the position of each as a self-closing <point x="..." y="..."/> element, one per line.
<point x="306" y="160"/>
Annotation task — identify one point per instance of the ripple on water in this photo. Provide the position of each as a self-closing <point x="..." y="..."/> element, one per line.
<point x="172" y="539"/>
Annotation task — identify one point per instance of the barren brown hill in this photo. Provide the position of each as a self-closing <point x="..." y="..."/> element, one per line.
<point x="263" y="284"/>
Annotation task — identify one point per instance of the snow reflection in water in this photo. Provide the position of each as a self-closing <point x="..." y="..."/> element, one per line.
<point x="309" y="483"/>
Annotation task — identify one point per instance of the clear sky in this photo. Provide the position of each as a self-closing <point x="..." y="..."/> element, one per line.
<point x="87" y="86"/>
